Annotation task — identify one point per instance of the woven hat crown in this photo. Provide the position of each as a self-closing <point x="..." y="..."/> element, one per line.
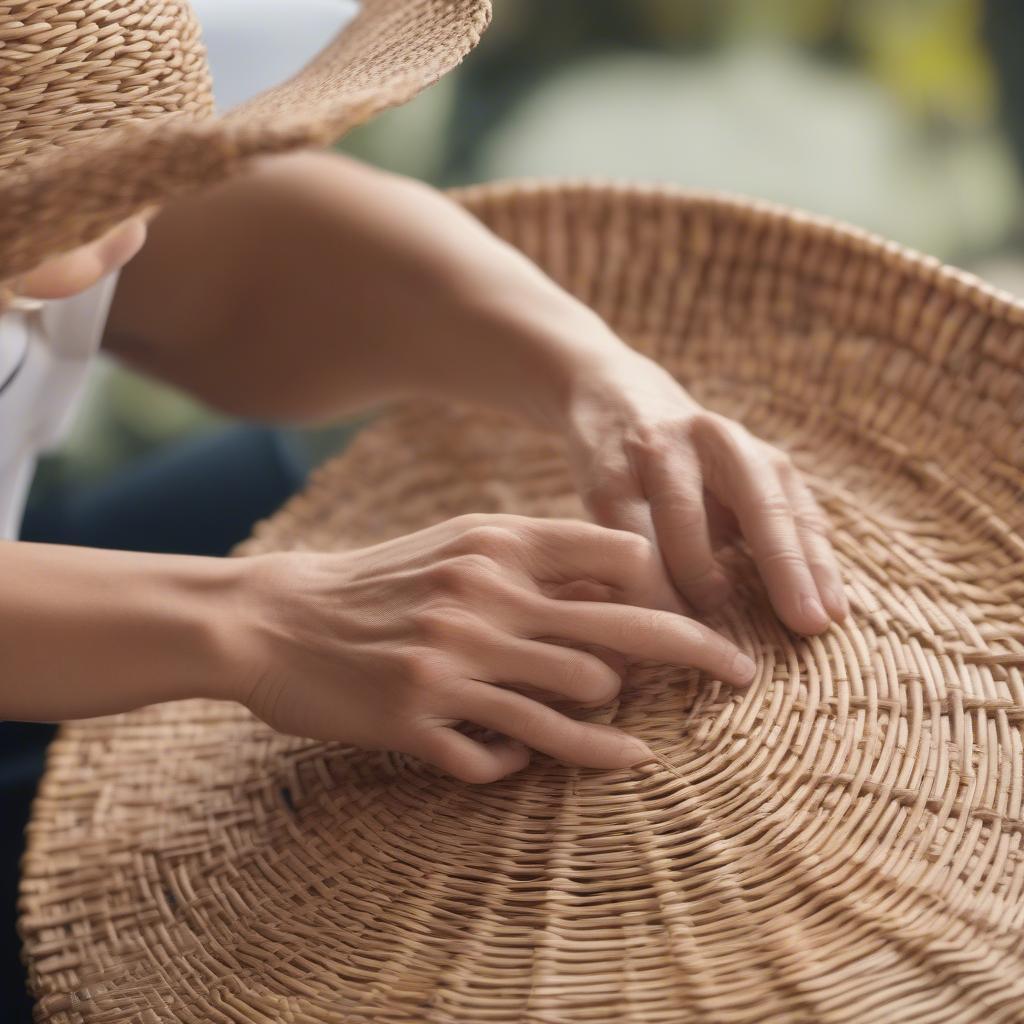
<point x="72" y="68"/>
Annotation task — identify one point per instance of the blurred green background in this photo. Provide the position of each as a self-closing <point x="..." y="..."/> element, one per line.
<point x="905" y="117"/>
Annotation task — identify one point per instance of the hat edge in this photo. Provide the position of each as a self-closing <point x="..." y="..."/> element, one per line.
<point x="41" y="215"/>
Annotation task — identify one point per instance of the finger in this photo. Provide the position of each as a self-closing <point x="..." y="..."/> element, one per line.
<point x="586" y="744"/>
<point x="618" y="503"/>
<point x="754" y="492"/>
<point x="581" y="590"/>
<point x="551" y="669"/>
<point x="812" y="524"/>
<point x="618" y="663"/>
<point x="675" y="491"/>
<point x="643" y="633"/>
<point x="722" y="522"/>
<point x="467" y="759"/>
<point x="568" y="549"/>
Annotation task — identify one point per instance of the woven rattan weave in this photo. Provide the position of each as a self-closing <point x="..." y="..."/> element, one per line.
<point x="844" y="842"/>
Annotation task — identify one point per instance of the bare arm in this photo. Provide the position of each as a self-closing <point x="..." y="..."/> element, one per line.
<point x="86" y="632"/>
<point x="391" y="646"/>
<point x="315" y="285"/>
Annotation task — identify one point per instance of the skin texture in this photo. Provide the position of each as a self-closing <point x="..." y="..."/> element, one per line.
<point x="314" y="287"/>
<point x="75" y="271"/>
<point x="480" y="619"/>
<point x="430" y="302"/>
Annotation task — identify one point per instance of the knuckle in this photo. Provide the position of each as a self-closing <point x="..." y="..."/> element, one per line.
<point x="814" y="522"/>
<point x="461" y="575"/>
<point x="469" y="521"/>
<point x="788" y="558"/>
<point x="687" y="512"/>
<point x="646" y="439"/>
<point x="711" y="428"/>
<point x="496" y="542"/>
<point x="444" y="627"/>
<point x="773" y="506"/>
<point x="419" y="672"/>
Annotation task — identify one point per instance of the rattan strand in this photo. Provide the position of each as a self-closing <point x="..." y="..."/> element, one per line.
<point x="841" y="843"/>
<point x="105" y="107"/>
<point x="71" y="71"/>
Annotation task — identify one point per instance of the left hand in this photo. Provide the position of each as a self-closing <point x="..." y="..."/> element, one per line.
<point x="648" y="458"/>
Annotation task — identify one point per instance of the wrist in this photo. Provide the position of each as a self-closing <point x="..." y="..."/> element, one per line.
<point x="86" y="632"/>
<point x="222" y="597"/>
<point x="257" y="612"/>
<point x="557" y="353"/>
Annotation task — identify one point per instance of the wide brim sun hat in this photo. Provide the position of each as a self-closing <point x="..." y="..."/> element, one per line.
<point x="106" y="108"/>
<point x="842" y="842"/>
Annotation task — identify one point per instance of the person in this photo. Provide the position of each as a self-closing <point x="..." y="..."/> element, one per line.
<point x="313" y="287"/>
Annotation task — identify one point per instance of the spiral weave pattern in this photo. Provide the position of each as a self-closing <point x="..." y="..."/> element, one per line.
<point x="840" y="843"/>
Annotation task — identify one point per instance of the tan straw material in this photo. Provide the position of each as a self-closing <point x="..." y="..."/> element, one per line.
<point x="844" y="842"/>
<point x="105" y="106"/>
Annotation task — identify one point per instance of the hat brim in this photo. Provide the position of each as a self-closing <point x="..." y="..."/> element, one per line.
<point x="391" y="51"/>
<point x="839" y="843"/>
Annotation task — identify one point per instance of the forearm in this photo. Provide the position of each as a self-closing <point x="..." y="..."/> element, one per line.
<point x="316" y="286"/>
<point x="85" y="632"/>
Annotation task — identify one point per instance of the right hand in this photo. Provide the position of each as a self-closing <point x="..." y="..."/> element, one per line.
<point x="393" y="646"/>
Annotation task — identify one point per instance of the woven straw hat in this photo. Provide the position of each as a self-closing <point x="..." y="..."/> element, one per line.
<point x="105" y="106"/>
<point x="844" y="842"/>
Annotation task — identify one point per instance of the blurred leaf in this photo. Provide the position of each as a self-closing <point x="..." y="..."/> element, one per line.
<point x="807" y="21"/>
<point x="929" y="53"/>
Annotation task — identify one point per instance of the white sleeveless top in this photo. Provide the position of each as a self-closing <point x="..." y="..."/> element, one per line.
<point x="45" y="354"/>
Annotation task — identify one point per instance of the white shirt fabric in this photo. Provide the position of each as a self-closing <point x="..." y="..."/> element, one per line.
<point x="45" y="353"/>
<point x="44" y="358"/>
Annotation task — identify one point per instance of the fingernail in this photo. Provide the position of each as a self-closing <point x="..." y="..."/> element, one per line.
<point x="638" y="751"/>
<point x="744" y="667"/>
<point x="813" y="609"/>
<point x="837" y="600"/>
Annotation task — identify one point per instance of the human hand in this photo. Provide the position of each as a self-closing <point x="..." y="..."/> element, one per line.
<point x="393" y="646"/>
<point x="648" y="458"/>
